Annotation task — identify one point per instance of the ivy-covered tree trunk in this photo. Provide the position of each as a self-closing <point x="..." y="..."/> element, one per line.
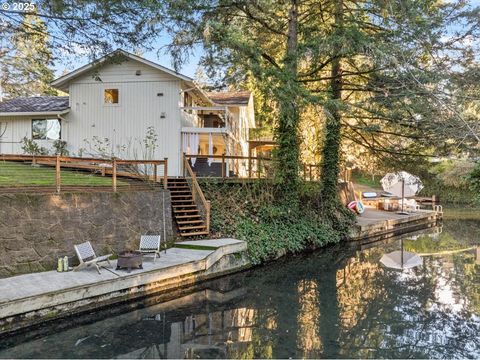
<point x="331" y="146"/>
<point x="286" y="132"/>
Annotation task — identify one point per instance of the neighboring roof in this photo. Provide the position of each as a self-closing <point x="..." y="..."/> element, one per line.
<point x="34" y="104"/>
<point x="63" y="80"/>
<point x="230" y="98"/>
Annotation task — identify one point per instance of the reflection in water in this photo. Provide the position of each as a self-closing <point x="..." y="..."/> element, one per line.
<point x="335" y="303"/>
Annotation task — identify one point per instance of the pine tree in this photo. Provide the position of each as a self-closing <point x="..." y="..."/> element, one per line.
<point x="26" y="69"/>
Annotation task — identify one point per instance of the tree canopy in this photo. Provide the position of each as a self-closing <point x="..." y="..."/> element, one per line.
<point x="387" y="81"/>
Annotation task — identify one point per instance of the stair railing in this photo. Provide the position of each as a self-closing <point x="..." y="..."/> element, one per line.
<point x="197" y="192"/>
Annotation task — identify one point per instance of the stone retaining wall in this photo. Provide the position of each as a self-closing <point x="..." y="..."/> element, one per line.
<point x="36" y="229"/>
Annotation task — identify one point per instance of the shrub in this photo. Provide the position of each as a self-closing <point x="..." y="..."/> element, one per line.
<point x="60" y="148"/>
<point x="30" y="147"/>
<point x="247" y="210"/>
<point x="474" y="180"/>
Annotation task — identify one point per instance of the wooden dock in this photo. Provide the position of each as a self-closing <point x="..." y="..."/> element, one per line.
<point x="374" y="224"/>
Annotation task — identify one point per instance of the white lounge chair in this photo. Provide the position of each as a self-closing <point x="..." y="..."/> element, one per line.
<point x="150" y="245"/>
<point x="87" y="256"/>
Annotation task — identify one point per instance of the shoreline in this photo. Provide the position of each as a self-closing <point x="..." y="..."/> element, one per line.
<point x="33" y="299"/>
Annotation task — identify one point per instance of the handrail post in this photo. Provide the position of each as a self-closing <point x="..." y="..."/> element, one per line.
<point x="207" y="220"/>
<point x="194" y="181"/>
<point x="114" y="175"/>
<point x="165" y="173"/>
<point x="155" y="171"/>
<point x="183" y="164"/>
<point x="58" y="179"/>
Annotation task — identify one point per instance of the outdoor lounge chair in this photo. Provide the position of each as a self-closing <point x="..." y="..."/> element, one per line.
<point x="150" y="245"/>
<point x="87" y="256"/>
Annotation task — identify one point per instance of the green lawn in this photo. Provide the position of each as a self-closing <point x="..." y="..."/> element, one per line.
<point x="19" y="174"/>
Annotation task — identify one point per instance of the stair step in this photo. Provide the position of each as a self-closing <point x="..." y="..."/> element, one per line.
<point x="186" y="216"/>
<point x="189" y="222"/>
<point x="182" y="201"/>
<point x="184" y="206"/>
<point x="187" y="192"/>
<point x="184" y="210"/>
<point x="192" y="227"/>
<point x="180" y="196"/>
<point x="194" y="233"/>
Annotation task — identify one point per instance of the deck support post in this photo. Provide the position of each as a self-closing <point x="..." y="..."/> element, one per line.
<point x="223" y="166"/>
<point x="58" y="179"/>
<point x="165" y="173"/>
<point x="250" y="163"/>
<point x="114" y="175"/>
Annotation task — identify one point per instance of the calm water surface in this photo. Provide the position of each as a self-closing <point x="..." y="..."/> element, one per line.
<point x="335" y="303"/>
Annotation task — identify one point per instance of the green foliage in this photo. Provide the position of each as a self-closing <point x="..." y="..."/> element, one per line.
<point x="60" y="148"/>
<point x="27" y="59"/>
<point x="30" y="147"/>
<point x="362" y="178"/>
<point x="449" y="180"/>
<point x="249" y="211"/>
<point x="474" y="180"/>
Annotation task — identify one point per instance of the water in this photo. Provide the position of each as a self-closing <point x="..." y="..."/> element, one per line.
<point x="335" y="303"/>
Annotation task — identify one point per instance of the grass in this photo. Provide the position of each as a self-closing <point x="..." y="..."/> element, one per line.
<point x="366" y="180"/>
<point x="18" y="174"/>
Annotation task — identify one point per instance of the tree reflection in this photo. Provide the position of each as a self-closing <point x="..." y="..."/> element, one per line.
<point x="337" y="302"/>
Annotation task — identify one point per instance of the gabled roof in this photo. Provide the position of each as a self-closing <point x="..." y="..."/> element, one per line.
<point x="65" y="79"/>
<point x="34" y="105"/>
<point x="230" y="98"/>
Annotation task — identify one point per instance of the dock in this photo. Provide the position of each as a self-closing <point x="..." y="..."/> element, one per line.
<point x="31" y="299"/>
<point x="374" y="224"/>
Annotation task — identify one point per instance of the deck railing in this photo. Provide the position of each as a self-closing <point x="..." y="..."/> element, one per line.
<point x="72" y="172"/>
<point x="251" y="167"/>
<point x="197" y="194"/>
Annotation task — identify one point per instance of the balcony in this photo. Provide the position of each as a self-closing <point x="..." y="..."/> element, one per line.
<point x="208" y="117"/>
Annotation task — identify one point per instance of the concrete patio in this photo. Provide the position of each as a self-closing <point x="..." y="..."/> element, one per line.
<point x="28" y="298"/>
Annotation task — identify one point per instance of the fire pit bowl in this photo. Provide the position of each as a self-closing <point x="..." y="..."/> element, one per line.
<point x="129" y="260"/>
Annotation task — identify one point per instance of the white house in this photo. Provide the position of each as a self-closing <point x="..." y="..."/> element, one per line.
<point x="112" y="105"/>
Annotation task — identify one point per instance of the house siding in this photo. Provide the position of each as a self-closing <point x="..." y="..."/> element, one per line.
<point x="126" y="124"/>
<point x="16" y="128"/>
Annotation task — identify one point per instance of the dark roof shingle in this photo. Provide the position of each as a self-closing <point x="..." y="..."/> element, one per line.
<point x="230" y="98"/>
<point x="34" y="104"/>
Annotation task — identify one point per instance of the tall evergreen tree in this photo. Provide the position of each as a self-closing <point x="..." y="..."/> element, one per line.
<point x="26" y="65"/>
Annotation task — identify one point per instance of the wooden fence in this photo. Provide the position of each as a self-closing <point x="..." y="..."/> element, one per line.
<point x="143" y="170"/>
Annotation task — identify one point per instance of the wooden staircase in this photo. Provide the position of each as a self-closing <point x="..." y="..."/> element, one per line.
<point x="185" y="212"/>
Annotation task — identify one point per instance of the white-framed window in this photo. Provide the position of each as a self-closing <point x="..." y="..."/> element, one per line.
<point x="46" y="129"/>
<point x="111" y="96"/>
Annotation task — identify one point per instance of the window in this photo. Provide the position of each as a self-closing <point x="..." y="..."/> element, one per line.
<point x="46" y="129"/>
<point x="110" y="96"/>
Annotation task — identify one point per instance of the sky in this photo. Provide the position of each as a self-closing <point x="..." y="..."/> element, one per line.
<point x="73" y="62"/>
<point x="70" y="63"/>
